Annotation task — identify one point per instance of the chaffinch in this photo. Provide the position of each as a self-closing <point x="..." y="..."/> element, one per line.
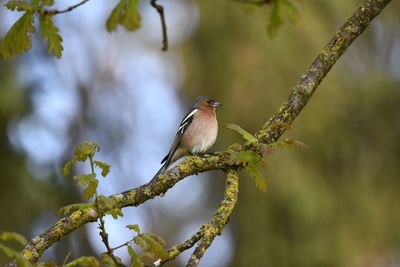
<point x="196" y="133"/>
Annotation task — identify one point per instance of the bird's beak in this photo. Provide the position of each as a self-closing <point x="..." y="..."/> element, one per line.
<point x="216" y="104"/>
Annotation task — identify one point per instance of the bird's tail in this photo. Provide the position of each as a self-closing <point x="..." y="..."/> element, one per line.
<point x="161" y="170"/>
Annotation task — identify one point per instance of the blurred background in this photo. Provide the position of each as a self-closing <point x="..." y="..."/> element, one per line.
<point x="334" y="205"/>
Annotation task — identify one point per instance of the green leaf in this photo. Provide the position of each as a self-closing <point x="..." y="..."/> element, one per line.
<point x="46" y="2"/>
<point x="132" y="17"/>
<point x="89" y="183"/>
<point x="11" y="236"/>
<point x="115" y="213"/>
<point x="292" y="10"/>
<point x="85" y="150"/>
<point x="84" y="179"/>
<point x="125" y="13"/>
<point x="19" y="5"/>
<point x="292" y="143"/>
<point x="134" y="227"/>
<point x="247" y="157"/>
<point x="10" y="253"/>
<point x="90" y="190"/>
<point x="68" y="166"/>
<point x="83" y="261"/>
<point x="73" y="207"/>
<point x="46" y="264"/>
<point x="245" y="134"/>
<point x="116" y="16"/>
<point x="49" y="32"/>
<point x="259" y="180"/>
<point x="106" y="260"/>
<point x="151" y="243"/>
<point x="18" y="38"/>
<point x="275" y="18"/>
<point x="105" y="168"/>
<point x="135" y="260"/>
<point x="106" y="202"/>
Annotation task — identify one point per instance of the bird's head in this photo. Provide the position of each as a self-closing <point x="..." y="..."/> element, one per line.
<point x="204" y="102"/>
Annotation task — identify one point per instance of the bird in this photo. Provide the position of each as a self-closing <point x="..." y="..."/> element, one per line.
<point x="196" y="133"/>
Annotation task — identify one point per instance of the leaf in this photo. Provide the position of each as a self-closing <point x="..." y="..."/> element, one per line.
<point x="19" y="5"/>
<point x="73" y="207"/>
<point x="246" y="135"/>
<point x="83" y="261"/>
<point x="292" y="10"/>
<point x="11" y="236"/>
<point x="259" y="180"/>
<point x="106" y="202"/>
<point x="46" y="2"/>
<point x="105" y="168"/>
<point x="84" y="179"/>
<point x="50" y="32"/>
<point x="10" y="253"/>
<point x="291" y="143"/>
<point x="91" y="189"/>
<point x="85" y="150"/>
<point x="132" y="17"/>
<point x="116" y="16"/>
<point x="247" y="157"/>
<point x="106" y="260"/>
<point x="134" y="227"/>
<point x="68" y="166"/>
<point x="275" y="18"/>
<point x="135" y="260"/>
<point x="149" y="243"/>
<point x="89" y="183"/>
<point x="18" y="38"/>
<point x="125" y="13"/>
<point x="46" y="264"/>
<point x="115" y="213"/>
<point x="282" y="125"/>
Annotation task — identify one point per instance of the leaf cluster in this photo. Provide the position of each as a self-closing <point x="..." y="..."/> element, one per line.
<point x="19" y="37"/>
<point x="252" y="157"/>
<point x="125" y="14"/>
<point x="277" y="9"/>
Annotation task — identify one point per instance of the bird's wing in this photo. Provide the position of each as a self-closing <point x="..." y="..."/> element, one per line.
<point x="186" y="121"/>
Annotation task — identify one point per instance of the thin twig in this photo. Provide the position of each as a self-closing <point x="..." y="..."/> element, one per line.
<point x="160" y="10"/>
<point x="102" y="225"/>
<point x="123" y="245"/>
<point x="56" y="11"/>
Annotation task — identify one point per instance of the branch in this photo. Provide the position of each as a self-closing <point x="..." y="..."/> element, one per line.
<point x="56" y="11"/>
<point x="220" y="219"/>
<point x="290" y="109"/>
<point x="160" y="10"/>
<point x="178" y="249"/>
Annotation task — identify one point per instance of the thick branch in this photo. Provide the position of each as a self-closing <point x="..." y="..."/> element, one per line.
<point x="309" y="81"/>
<point x="220" y="219"/>
<point x="297" y="99"/>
